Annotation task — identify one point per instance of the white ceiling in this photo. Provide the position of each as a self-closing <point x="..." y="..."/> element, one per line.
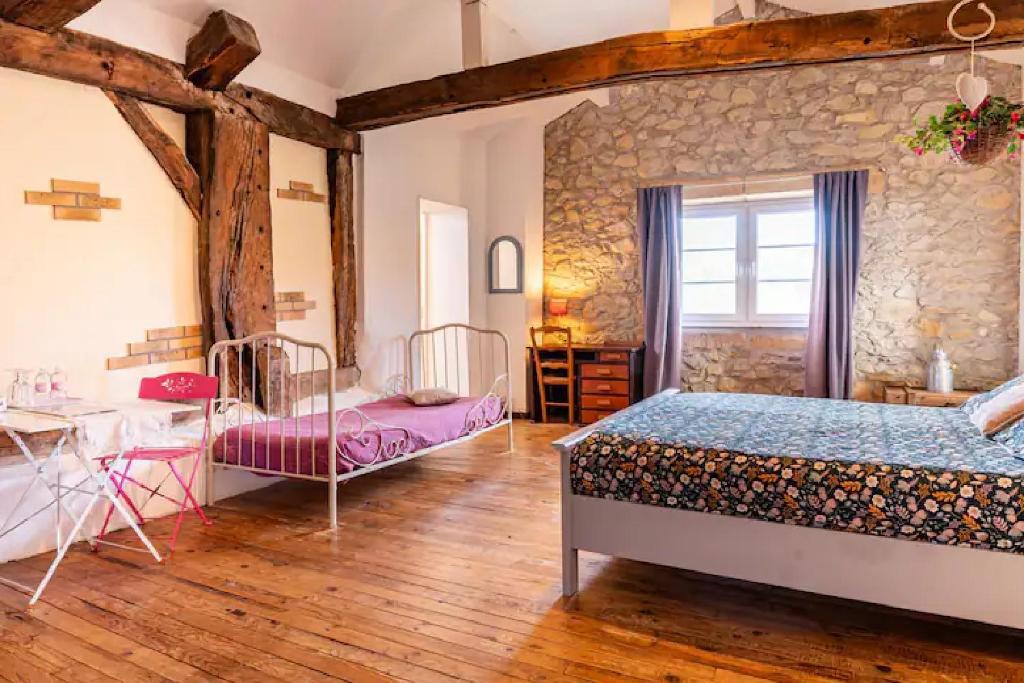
<point x="348" y="46"/>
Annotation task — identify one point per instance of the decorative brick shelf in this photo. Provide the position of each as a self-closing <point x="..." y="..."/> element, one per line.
<point x="302" y="192"/>
<point x="162" y="345"/>
<point x="292" y="306"/>
<point x="73" y="200"/>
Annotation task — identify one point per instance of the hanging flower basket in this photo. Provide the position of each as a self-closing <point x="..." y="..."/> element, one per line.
<point x="972" y="137"/>
<point x="987" y="144"/>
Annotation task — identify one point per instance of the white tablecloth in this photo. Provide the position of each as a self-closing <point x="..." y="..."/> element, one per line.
<point x="135" y="424"/>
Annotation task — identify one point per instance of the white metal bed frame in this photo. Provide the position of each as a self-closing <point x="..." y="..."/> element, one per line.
<point x="424" y="350"/>
<point x="951" y="581"/>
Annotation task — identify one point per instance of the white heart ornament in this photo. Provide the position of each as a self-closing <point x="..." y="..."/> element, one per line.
<point x="972" y="90"/>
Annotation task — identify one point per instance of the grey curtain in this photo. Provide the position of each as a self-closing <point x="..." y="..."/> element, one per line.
<point x="839" y="202"/>
<point x="659" y="233"/>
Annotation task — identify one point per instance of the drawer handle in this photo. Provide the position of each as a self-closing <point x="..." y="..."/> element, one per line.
<point x="604" y="387"/>
<point x="604" y="371"/>
<point x="603" y="402"/>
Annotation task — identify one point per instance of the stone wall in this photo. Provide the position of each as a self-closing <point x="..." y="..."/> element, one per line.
<point x="941" y="242"/>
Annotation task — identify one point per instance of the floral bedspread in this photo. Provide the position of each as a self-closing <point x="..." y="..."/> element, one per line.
<point x="922" y="474"/>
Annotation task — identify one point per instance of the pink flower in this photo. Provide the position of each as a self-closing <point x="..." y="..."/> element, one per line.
<point x="919" y="151"/>
<point x="1015" y="116"/>
<point x="973" y="134"/>
<point x="958" y="132"/>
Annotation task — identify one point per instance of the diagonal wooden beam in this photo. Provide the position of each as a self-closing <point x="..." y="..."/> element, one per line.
<point x="88" y="59"/>
<point x="889" y="32"/>
<point x="224" y="46"/>
<point x="45" y="15"/>
<point x="165" y="150"/>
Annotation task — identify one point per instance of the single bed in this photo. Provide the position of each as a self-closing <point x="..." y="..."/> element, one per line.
<point x="300" y="434"/>
<point x="905" y="506"/>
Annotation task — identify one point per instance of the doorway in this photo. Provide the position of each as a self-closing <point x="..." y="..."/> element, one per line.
<point x="444" y="290"/>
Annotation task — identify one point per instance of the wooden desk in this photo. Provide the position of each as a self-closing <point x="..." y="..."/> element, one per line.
<point x="609" y="377"/>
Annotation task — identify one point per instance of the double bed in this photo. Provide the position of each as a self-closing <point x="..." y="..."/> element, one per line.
<point x="905" y="506"/>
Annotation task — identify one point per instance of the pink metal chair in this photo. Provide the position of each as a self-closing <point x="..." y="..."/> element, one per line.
<point x="172" y="387"/>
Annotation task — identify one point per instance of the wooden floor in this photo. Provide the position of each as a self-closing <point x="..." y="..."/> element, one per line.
<point x="447" y="569"/>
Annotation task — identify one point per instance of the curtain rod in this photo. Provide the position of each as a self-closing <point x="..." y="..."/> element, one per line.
<point x="698" y="181"/>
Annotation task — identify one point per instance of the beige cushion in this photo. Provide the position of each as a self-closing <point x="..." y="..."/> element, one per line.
<point x="1000" y="411"/>
<point x="432" y="397"/>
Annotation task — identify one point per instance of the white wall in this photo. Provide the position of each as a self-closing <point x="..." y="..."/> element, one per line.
<point x="302" y="239"/>
<point x="492" y="163"/>
<point x="515" y="206"/>
<point x="400" y="166"/>
<point x="75" y="293"/>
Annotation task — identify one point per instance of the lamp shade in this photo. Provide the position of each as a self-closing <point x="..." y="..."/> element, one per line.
<point x="558" y="306"/>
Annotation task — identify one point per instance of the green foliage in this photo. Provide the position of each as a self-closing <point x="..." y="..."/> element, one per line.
<point x="959" y="125"/>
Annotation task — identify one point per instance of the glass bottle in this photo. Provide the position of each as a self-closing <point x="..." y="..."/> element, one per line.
<point x="21" y="390"/>
<point x="42" y="386"/>
<point x="58" y="384"/>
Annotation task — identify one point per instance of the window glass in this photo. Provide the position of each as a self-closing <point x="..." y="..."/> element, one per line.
<point x="783" y="298"/>
<point x="709" y="299"/>
<point x="785" y="263"/>
<point x="748" y="263"/>
<point x="713" y="266"/>
<point x="789" y="227"/>
<point x="709" y="232"/>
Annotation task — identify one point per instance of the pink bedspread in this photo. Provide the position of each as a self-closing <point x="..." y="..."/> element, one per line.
<point x="293" y="445"/>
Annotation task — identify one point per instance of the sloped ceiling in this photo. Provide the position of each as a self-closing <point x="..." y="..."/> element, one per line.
<point x="355" y="45"/>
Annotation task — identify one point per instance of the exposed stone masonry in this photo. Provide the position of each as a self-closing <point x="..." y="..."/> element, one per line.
<point x="941" y="241"/>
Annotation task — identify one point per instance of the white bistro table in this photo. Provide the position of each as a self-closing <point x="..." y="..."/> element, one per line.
<point x="94" y="483"/>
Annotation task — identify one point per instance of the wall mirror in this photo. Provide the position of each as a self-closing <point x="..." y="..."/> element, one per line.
<point x="505" y="266"/>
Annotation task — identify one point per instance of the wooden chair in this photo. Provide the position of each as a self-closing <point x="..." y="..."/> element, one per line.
<point x="553" y="365"/>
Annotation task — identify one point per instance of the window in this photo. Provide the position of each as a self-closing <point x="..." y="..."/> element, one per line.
<point x="748" y="263"/>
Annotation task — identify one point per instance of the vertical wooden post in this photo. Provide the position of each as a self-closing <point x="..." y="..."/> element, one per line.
<point x="343" y="252"/>
<point x="236" y="271"/>
<point x="236" y="278"/>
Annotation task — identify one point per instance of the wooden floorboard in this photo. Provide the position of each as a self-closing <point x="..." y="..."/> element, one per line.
<point x="447" y="569"/>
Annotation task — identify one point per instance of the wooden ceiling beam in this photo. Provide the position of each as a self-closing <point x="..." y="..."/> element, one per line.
<point x="44" y="15"/>
<point x="88" y="59"/>
<point x="224" y="46"/>
<point x="827" y="38"/>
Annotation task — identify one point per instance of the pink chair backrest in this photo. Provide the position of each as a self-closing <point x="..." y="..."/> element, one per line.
<point x="179" y="386"/>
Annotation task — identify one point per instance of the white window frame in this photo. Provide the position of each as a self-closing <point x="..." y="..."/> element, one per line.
<point x="746" y="261"/>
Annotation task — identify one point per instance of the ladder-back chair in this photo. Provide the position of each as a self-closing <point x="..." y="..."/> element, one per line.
<point x="554" y="367"/>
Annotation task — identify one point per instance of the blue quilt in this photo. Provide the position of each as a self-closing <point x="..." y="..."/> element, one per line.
<point x="910" y="472"/>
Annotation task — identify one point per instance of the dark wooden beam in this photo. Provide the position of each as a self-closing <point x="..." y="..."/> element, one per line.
<point x="236" y="278"/>
<point x="223" y="47"/>
<point x="83" y="58"/>
<point x="45" y="15"/>
<point x="165" y="150"/>
<point x="889" y="32"/>
<point x="236" y="273"/>
<point x="291" y="120"/>
<point x="340" y="182"/>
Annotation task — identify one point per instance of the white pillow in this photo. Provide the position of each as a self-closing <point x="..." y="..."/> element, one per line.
<point x="349" y="398"/>
<point x="236" y="414"/>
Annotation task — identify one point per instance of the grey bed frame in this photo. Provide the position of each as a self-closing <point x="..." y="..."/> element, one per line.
<point x="966" y="583"/>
